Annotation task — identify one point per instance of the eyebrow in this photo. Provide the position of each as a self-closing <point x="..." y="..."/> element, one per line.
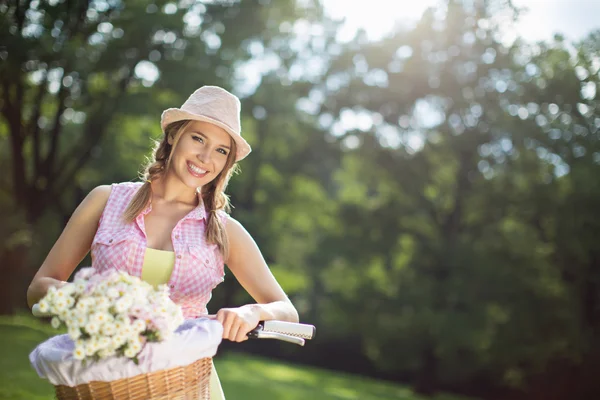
<point x="206" y="137"/>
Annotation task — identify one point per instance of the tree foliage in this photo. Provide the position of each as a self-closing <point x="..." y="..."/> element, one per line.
<point x="428" y="200"/>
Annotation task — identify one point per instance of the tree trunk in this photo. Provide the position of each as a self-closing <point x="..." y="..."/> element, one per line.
<point x="426" y="380"/>
<point x="16" y="278"/>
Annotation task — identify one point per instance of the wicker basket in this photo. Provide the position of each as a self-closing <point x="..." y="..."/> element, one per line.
<point x="191" y="382"/>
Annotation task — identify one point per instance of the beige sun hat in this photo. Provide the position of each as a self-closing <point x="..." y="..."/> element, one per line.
<point x="214" y="105"/>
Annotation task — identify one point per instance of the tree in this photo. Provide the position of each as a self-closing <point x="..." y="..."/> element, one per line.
<point x="460" y="187"/>
<point x="72" y="71"/>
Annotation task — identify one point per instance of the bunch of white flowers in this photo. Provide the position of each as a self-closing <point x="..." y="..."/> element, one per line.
<point x="111" y="313"/>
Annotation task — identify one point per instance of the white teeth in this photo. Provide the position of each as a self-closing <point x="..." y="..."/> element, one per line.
<point x="196" y="169"/>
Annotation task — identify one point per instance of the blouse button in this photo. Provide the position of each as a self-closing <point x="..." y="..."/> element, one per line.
<point x="172" y="286"/>
<point x="179" y="256"/>
<point x="110" y="241"/>
<point x="176" y="236"/>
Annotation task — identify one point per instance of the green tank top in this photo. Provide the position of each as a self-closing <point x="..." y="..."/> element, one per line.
<point x="156" y="270"/>
<point x="157" y="266"/>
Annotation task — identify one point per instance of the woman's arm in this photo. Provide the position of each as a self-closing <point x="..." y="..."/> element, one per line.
<point x="71" y="247"/>
<point x="250" y="269"/>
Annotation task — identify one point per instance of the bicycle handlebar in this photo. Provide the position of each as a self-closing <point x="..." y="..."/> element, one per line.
<point x="286" y="331"/>
<point x="274" y="335"/>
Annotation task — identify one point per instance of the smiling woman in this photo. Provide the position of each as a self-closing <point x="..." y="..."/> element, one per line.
<point x="173" y="228"/>
<point x="203" y="148"/>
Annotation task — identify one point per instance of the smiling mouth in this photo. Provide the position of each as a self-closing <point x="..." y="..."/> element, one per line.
<point x="196" y="171"/>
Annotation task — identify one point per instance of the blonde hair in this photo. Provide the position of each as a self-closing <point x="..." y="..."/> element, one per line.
<point x="212" y="194"/>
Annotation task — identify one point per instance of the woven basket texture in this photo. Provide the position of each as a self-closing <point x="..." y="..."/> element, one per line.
<point x="191" y="382"/>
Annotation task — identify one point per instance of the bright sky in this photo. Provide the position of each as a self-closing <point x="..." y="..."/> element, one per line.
<point x="573" y="18"/>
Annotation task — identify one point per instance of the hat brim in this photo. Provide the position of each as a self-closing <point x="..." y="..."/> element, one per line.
<point x="175" y="114"/>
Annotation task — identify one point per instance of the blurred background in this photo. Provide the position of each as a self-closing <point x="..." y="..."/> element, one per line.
<point x="425" y="179"/>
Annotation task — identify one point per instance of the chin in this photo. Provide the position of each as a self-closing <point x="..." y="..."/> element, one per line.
<point x="196" y="183"/>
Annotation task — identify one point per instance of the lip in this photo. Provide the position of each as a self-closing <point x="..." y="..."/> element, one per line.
<point x="194" y="174"/>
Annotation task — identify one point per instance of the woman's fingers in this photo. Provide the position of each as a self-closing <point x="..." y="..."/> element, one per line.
<point x="235" y="327"/>
<point x="233" y="332"/>
<point x="227" y="321"/>
<point x="239" y="331"/>
<point x="242" y="333"/>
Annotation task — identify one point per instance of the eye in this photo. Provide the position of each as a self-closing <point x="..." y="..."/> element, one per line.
<point x="198" y="138"/>
<point x="222" y="151"/>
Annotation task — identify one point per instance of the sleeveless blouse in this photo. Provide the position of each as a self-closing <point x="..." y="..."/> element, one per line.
<point x="198" y="267"/>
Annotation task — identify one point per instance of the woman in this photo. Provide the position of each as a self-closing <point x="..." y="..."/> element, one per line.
<point x="174" y="228"/>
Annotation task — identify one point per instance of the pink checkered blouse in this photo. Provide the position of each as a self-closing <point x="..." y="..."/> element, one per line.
<point x="198" y="265"/>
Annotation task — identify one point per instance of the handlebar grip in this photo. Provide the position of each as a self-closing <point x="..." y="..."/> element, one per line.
<point x="281" y="330"/>
<point x="258" y="334"/>
<point x="304" y="331"/>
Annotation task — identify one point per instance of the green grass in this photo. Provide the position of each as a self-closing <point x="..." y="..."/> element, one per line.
<point x="242" y="376"/>
<point x="245" y="377"/>
<point x="18" y="380"/>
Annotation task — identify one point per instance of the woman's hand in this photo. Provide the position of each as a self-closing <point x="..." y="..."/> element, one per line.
<point x="237" y="322"/>
<point x="39" y="287"/>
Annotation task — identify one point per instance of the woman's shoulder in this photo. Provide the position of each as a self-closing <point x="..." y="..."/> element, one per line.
<point x="116" y="192"/>
<point x="235" y="230"/>
<point x="94" y="203"/>
<point x="102" y="193"/>
<point x="132" y="186"/>
<point x="114" y="199"/>
<point x="124" y="189"/>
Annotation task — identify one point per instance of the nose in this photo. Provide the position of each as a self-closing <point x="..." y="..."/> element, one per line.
<point x="204" y="156"/>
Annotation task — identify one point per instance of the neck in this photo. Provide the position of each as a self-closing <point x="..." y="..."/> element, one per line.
<point x="166" y="189"/>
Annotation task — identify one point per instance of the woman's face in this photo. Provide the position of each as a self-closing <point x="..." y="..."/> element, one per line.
<point x="200" y="154"/>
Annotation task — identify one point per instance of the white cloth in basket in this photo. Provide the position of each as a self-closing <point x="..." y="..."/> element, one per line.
<point x="194" y="339"/>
